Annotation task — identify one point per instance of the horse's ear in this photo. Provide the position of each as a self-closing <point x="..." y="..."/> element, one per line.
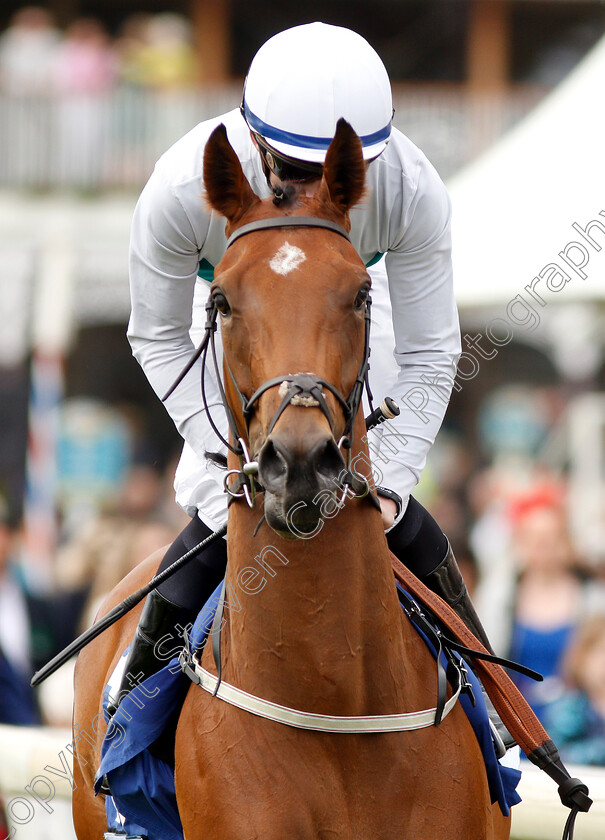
<point x="344" y="168"/>
<point x="227" y="188"/>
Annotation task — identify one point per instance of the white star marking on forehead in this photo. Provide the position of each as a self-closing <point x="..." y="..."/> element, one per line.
<point x="287" y="259"/>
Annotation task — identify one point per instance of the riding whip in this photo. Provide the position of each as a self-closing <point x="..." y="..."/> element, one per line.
<point x="121" y="609"/>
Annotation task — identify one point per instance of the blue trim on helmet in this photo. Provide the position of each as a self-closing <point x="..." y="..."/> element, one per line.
<point x="303" y="141"/>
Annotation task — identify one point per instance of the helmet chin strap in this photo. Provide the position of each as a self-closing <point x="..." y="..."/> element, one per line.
<point x="264" y="164"/>
<point x="266" y="170"/>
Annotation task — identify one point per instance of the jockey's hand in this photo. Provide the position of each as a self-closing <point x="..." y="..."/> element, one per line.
<point x="388" y="508"/>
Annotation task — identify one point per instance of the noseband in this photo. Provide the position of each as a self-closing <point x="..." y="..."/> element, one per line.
<point x="295" y="389"/>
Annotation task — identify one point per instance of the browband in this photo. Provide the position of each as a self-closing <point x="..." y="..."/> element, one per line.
<point x="287" y="221"/>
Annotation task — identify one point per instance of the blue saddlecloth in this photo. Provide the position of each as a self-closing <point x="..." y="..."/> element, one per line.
<point x="142" y="785"/>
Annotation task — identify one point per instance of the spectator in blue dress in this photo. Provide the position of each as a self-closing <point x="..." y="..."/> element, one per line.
<point x="553" y="592"/>
<point x="576" y="720"/>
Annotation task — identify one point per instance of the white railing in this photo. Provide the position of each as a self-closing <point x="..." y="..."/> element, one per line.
<point x="36" y="791"/>
<point x="35" y="785"/>
<point x="93" y="143"/>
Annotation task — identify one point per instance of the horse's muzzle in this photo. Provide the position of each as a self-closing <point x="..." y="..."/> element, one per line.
<point x="299" y="482"/>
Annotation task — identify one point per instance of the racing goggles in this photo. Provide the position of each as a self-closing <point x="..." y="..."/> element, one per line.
<point x="287" y="168"/>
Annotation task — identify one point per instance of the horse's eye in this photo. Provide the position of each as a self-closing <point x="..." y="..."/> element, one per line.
<point x="221" y="302"/>
<point x="362" y="296"/>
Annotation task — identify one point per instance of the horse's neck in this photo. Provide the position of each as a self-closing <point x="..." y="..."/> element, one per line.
<point x="315" y="622"/>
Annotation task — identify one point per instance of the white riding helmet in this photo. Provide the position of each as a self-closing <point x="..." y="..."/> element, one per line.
<point x="303" y="80"/>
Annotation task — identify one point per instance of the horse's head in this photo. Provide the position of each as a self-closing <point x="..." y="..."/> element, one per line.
<point x="292" y="300"/>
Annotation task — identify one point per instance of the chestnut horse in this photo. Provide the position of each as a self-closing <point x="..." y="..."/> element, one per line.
<point x="318" y="626"/>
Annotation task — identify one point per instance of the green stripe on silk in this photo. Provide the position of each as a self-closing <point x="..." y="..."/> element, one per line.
<point x="206" y="269"/>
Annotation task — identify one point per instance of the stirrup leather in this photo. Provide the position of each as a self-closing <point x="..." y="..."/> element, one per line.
<point x="447" y="582"/>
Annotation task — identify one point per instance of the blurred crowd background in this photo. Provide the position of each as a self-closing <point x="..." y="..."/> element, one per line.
<point x="153" y="51"/>
<point x="93" y="92"/>
<point x="516" y="478"/>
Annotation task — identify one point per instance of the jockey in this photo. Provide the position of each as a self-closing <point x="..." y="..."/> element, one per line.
<point x="299" y="84"/>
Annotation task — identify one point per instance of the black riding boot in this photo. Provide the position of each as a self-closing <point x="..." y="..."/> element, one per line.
<point x="447" y="582"/>
<point x="177" y="601"/>
<point x="159" y="618"/>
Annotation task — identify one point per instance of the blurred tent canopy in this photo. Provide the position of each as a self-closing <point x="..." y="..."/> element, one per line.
<point x="515" y="206"/>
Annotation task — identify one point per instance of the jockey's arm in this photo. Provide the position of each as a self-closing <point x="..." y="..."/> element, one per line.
<point x="426" y="328"/>
<point x="164" y="258"/>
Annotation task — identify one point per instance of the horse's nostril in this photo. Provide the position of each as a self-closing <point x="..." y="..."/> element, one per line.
<point x="272" y="465"/>
<point x="326" y="458"/>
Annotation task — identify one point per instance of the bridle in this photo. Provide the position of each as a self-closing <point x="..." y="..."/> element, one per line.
<point x="295" y="389"/>
<point x="298" y="389"/>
